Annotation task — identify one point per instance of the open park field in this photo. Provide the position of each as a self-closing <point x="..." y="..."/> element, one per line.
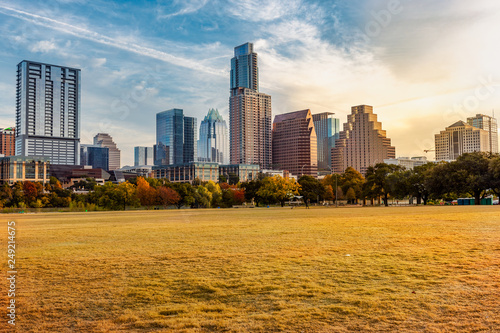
<point x="408" y="269"/>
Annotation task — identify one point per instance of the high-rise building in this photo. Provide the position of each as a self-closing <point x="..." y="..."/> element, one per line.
<point x="95" y="156"/>
<point x="362" y="143"/>
<point x="327" y="132"/>
<point x="190" y="150"/>
<point x="8" y="141"/>
<point x="143" y="156"/>
<point x="244" y="69"/>
<point x="294" y="143"/>
<point x="488" y="124"/>
<point x="48" y="112"/>
<point x="249" y="112"/>
<point x="175" y="138"/>
<point x="213" y="145"/>
<point x="105" y="140"/>
<point x="460" y="138"/>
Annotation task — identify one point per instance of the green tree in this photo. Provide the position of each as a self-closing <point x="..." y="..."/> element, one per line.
<point x="494" y="174"/>
<point x="350" y="196"/>
<point x="311" y="188"/>
<point x="351" y="178"/>
<point x="377" y="184"/>
<point x="474" y="168"/>
<point x="278" y="189"/>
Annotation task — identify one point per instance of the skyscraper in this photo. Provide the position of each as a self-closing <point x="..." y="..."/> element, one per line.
<point x="175" y="138"/>
<point x="488" y="124"/>
<point x="8" y="141"/>
<point x="460" y="138"/>
<point x="95" y="156"/>
<point x="143" y="156"/>
<point x="213" y="145"/>
<point x="327" y="131"/>
<point x="105" y="140"/>
<point x="48" y="112"/>
<point x="249" y="112"/>
<point x="294" y="143"/>
<point x="362" y="143"/>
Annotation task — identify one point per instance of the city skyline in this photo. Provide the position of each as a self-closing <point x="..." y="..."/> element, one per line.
<point x="423" y="65"/>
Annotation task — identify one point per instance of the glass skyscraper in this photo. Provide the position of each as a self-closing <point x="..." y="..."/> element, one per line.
<point x="95" y="156"/>
<point x="143" y="156"/>
<point x="213" y="145"/>
<point x="250" y="140"/>
<point x="48" y="112"/>
<point x="175" y="138"/>
<point x="327" y="131"/>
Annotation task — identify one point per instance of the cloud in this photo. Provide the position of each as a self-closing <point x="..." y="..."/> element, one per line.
<point x="113" y="42"/>
<point x="98" y="62"/>
<point x="262" y="10"/>
<point x="187" y="7"/>
<point x="44" y="46"/>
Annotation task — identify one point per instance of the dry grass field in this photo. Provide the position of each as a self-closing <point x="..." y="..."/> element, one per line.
<point x="423" y="269"/>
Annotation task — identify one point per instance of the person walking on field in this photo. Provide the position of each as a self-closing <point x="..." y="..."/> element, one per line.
<point x="307" y="203"/>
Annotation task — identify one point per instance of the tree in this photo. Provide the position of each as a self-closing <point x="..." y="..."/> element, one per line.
<point x="311" y="188"/>
<point x="377" y="184"/>
<point x="329" y="195"/>
<point x="187" y="193"/>
<point x="418" y="182"/>
<point x="146" y="194"/>
<point x="30" y="192"/>
<point x="279" y="189"/>
<point x="216" y="192"/>
<point x="167" y="196"/>
<point x="494" y="174"/>
<point x="474" y="167"/>
<point x="351" y="178"/>
<point x="251" y="191"/>
<point x="350" y="196"/>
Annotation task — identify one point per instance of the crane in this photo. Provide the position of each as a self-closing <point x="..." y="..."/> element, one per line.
<point x="429" y="150"/>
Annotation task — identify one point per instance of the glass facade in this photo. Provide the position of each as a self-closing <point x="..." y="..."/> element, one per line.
<point x="327" y="131"/>
<point x="143" y="156"/>
<point x="244" y="70"/>
<point x="20" y="168"/>
<point x="190" y="140"/>
<point x="213" y="145"/>
<point x="48" y="112"/>
<point x="175" y="138"/>
<point x="95" y="156"/>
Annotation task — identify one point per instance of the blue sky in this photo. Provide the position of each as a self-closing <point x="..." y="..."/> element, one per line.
<point x="422" y="64"/>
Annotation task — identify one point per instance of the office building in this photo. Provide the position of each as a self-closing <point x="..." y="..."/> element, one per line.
<point x="213" y="145"/>
<point x="20" y="169"/>
<point x="8" y="141"/>
<point x="105" y="140"/>
<point x="95" y="156"/>
<point x="362" y="143"/>
<point x="187" y="172"/>
<point x="48" y="112"/>
<point x="176" y="137"/>
<point x="460" y="138"/>
<point x="143" y="156"/>
<point x="327" y="132"/>
<point x="249" y="112"/>
<point x="294" y="143"/>
<point x="488" y="124"/>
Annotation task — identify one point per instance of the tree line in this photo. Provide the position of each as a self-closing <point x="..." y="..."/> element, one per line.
<point x="473" y="174"/>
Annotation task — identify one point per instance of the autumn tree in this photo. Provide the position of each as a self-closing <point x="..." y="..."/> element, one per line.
<point x="167" y="196"/>
<point x="145" y="193"/>
<point x="278" y="189"/>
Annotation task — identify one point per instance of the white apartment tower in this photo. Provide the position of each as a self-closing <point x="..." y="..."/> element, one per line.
<point x="488" y="124"/>
<point x="460" y="138"/>
<point x="48" y="112"/>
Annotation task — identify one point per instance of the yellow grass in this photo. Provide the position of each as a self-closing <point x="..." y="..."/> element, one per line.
<point x="426" y="269"/>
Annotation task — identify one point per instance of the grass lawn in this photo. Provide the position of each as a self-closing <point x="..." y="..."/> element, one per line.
<point x="401" y="269"/>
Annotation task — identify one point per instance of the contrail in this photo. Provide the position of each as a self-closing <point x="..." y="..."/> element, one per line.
<point x="105" y="40"/>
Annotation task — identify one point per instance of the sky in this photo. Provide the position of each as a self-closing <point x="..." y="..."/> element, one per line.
<point x="422" y="65"/>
